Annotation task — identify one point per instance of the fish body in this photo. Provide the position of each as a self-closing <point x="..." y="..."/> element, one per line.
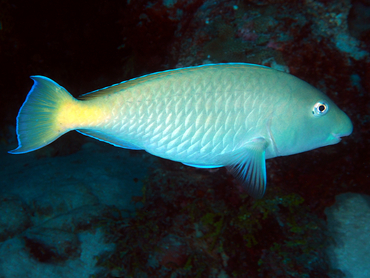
<point x="234" y="115"/>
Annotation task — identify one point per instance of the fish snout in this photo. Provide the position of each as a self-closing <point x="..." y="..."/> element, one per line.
<point x="342" y="128"/>
<point x="345" y="126"/>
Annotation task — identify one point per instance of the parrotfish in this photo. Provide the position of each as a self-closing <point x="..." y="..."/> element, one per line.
<point x="235" y="115"/>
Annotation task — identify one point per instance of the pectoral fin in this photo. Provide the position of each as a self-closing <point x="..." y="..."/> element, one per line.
<point x="248" y="166"/>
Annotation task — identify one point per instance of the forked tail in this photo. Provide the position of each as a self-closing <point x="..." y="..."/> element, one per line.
<point x="38" y="120"/>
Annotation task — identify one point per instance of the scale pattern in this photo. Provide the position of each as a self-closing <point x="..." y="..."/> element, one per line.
<point x="193" y="115"/>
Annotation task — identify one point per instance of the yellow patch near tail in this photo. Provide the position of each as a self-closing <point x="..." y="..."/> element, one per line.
<point x="39" y="120"/>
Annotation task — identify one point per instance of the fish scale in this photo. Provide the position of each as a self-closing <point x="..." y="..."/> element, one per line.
<point x="234" y="115"/>
<point x="191" y="130"/>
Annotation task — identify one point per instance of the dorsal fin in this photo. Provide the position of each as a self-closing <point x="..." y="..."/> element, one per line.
<point x="152" y="76"/>
<point x="127" y="84"/>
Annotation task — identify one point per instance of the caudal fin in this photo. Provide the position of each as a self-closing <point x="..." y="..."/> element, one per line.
<point x="36" y="121"/>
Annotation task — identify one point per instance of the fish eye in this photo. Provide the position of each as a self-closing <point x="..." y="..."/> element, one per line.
<point x="320" y="108"/>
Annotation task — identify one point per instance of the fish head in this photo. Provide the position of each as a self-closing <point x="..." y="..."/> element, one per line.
<point x="312" y="120"/>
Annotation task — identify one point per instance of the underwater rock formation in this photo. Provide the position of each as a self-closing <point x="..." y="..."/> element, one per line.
<point x="349" y="227"/>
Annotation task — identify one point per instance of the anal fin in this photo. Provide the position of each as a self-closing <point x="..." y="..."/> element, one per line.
<point x="203" y="166"/>
<point x="108" y="139"/>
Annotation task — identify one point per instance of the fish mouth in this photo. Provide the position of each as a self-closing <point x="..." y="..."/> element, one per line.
<point x="338" y="136"/>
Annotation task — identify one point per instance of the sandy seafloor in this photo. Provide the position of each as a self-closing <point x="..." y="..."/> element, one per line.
<point x="109" y="172"/>
<point x="48" y="202"/>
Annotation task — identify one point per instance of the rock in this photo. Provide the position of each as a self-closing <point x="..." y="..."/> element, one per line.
<point x="52" y="245"/>
<point x="173" y="252"/>
<point x="359" y="19"/>
<point x="81" y="219"/>
<point x="14" y="216"/>
<point x="16" y="260"/>
<point x="61" y="200"/>
<point x="349" y="226"/>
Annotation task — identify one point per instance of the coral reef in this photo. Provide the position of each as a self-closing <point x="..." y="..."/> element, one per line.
<point x="209" y="227"/>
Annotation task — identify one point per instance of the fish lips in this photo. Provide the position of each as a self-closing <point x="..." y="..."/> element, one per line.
<point x="337" y="137"/>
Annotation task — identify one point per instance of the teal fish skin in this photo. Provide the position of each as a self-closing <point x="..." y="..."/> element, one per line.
<point x="198" y="115"/>
<point x="234" y="115"/>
